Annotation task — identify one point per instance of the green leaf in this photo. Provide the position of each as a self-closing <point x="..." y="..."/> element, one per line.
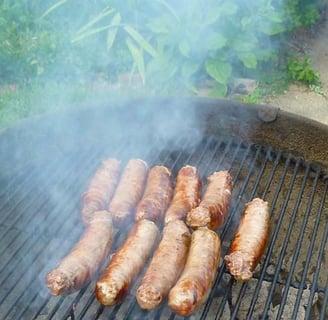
<point x="273" y="29"/>
<point x="184" y="48"/>
<point x="245" y="21"/>
<point x="39" y="70"/>
<point x="138" y="58"/>
<point x="188" y="69"/>
<point x="218" y="70"/>
<point x="248" y="59"/>
<point x="218" y="41"/>
<point x="157" y="26"/>
<point x="219" y="91"/>
<point x="229" y="8"/>
<point x="162" y="68"/>
<point x="137" y="37"/>
<point x="52" y="8"/>
<point x="214" y="15"/>
<point x="244" y="43"/>
<point x="169" y="9"/>
<point x="96" y="19"/>
<point x="274" y="16"/>
<point x="89" y="33"/>
<point x="111" y="35"/>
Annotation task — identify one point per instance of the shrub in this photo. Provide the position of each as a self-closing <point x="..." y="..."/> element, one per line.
<point x="172" y="45"/>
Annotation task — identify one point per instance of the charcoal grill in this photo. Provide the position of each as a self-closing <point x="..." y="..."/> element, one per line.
<point x="47" y="162"/>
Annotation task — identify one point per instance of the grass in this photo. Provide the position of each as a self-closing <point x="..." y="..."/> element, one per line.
<point x="19" y="102"/>
<point x="270" y="83"/>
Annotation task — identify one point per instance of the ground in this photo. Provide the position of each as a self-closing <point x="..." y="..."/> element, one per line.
<point x="299" y="99"/>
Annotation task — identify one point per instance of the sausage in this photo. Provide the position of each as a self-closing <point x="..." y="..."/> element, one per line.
<point x="101" y="188"/>
<point x="165" y="266"/>
<point x="196" y="280"/>
<point x="157" y="196"/>
<point x="126" y="263"/>
<point x="129" y="191"/>
<point x="215" y="204"/>
<point x="186" y="194"/>
<point x="249" y="241"/>
<point x="84" y="260"/>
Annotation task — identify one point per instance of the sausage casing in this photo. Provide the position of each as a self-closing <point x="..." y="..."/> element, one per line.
<point x="157" y="196"/>
<point x="84" y="260"/>
<point x="166" y="265"/>
<point x="215" y="204"/>
<point x="126" y="263"/>
<point x="196" y="280"/>
<point x="249" y="241"/>
<point x="101" y="188"/>
<point x="186" y="194"/>
<point x="129" y="191"/>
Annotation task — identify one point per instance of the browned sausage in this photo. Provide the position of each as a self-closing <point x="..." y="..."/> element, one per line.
<point x="196" y="280"/>
<point x="129" y="191"/>
<point x="215" y="203"/>
<point x="166" y="265"/>
<point x="84" y="260"/>
<point x="157" y="196"/>
<point x="126" y="263"/>
<point x="186" y="194"/>
<point x="249" y="241"/>
<point x="101" y="188"/>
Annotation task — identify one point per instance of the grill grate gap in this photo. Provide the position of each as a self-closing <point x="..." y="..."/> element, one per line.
<point x="296" y="190"/>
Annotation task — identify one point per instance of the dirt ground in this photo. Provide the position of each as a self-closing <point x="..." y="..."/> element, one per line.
<point x="300" y="99"/>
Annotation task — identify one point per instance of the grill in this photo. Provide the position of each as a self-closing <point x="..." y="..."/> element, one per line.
<point x="48" y="162"/>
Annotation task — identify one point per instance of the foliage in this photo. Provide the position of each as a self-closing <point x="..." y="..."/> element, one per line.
<point x="302" y="70"/>
<point x="301" y="13"/>
<point x="171" y="45"/>
<point x="26" y="47"/>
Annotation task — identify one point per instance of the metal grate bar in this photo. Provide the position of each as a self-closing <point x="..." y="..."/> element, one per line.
<point x="64" y="307"/>
<point x="309" y="256"/>
<point x="274" y="236"/>
<point x="324" y="306"/>
<point x="298" y="246"/>
<point x="291" y="186"/>
<point x="88" y="305"/>
<point x="38" y="244"/>
<point x="290" y="228"/>
<point x="233" y="210"/>
<point x="241" y="295"/>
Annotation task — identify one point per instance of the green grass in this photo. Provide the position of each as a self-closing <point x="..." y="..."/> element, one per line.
<point x="270" y="83"/>
<point x="19" y="102"/>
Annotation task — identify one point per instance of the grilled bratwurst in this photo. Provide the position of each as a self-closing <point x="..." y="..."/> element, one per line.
<point x="157" y="195"/>
<point x="101" y="188"/>
<point x="196" y="280"/>
<point x="126" y="263"/>
<point x="129" y="191"/>
<point x="84" y="260"/>
<point x="186" y="194"/>
<point x="215" y="204"/>
<point x="166" y="265"/>
<point x="249" y="241"/>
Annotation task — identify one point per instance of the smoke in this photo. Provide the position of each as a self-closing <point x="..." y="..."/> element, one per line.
<point x="174" y="48"/>
<point x="169" y="46"/>
<point x="78" y="52"/>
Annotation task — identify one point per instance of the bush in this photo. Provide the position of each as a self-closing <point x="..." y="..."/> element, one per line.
<point x="26" y="46"/>
<point x="182" y="45"/>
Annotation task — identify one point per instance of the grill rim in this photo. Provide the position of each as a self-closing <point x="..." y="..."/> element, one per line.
<point x="285" y="131"/>
<point x="299" y="160"/>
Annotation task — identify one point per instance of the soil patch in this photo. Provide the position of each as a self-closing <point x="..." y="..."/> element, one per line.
<point x="299" y="99"/>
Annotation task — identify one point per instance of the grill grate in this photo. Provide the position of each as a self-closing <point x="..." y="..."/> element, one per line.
<point x="39" y="223"/>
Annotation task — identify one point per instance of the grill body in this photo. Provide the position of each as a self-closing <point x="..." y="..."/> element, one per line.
<point x="48" y="161"/>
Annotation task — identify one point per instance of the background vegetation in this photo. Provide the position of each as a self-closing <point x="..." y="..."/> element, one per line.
<point x="85" y="48"/>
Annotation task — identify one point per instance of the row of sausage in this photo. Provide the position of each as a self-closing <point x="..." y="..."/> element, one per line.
<point x="185" y="255"/>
